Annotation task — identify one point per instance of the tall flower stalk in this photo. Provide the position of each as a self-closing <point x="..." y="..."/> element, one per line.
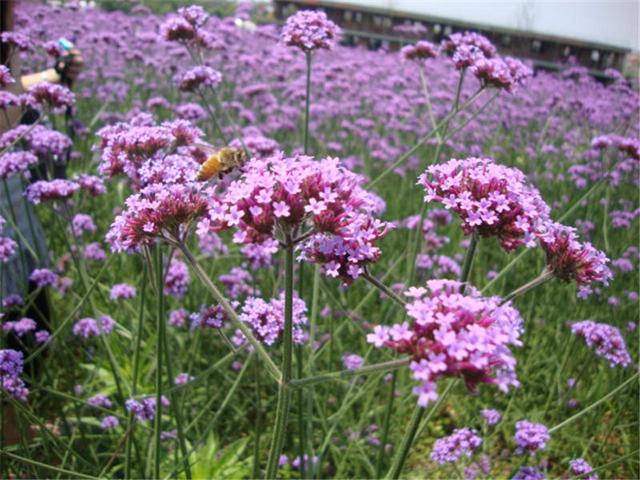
<point x="284" y="389"/>
<point x="160" y="326"/>
<point x="307" y="102"/>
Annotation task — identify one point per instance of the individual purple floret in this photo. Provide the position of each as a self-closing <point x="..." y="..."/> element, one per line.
<point x="606" y="341"/>
<point x="463" y="441"/>
<point x="530" y="437"/>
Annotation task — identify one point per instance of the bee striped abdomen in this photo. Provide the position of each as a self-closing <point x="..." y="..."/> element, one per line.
<point x="209" y="168"/>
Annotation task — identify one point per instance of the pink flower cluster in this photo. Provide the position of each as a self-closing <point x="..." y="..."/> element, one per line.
<point x="212" y="316"/>
<point x="421" y="50"/>
<point x="502" y="73"/>
<point x="491" y="199"/>
<point x="40" y="140"/>
<point x="309" y="30"/>
<point x="605" y="339"/>
<point x="197" y="76"/>
<point x="158" y="210"/>
<point x="12" y="163"/>
<point x="463" y="441"/>
<point x="45" y="190"/>
<point x="320" y="201"/>
<point x="454" y="334"/>
<point x="627" y="145"/>
<point x="186" y="26"/>
<point x="90" y="327"/>
<point x="346" y="253"/>
<point x="570" y="259"/>
<point x="122" y="291"/>
<point x="125" y="147"/>
<point x="474" y="51"/>
<point x="267" y="319"/>
<point x="474" y="40"/>
<point x="6" y="78"/>
<point x="530" y="437"/>
<point x="53" y="96"/>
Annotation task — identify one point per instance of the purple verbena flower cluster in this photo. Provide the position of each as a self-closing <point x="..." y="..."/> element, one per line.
<point x="491" y="199"/>
<point x="570" y="259"/>
<point x="463" y="441"/>
<point x="581" y="468"/>
<point x="606" y="340"/>
<point x="530" y="437"/>
<point x="11" y="365"/>
<point x="309" y="30"/>
<point x="454" y="334"/>
<point x="266" y="319"/>
<point x="145" y="409"/>
<point x="47" y="190"/>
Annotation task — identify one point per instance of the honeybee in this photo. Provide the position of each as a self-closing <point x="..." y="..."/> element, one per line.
<point x="220" y="162"/>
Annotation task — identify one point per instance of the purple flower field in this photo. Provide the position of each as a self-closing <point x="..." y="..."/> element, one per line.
<point x="239" y="250"/>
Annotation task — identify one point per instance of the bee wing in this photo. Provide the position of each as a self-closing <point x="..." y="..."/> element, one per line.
<point x="204" y="147"/>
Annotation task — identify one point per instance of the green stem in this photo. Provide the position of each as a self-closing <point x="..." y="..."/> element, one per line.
<point x="594" y="404"/>
<point x="176" y="405"/>
<point x="271" y="367"/>
<point x="383" y="288"/>
<point x="302" y="441"/>
<point x="427" y="97"/>
<point x="468" y="262"/>
<point x="307" y="102"/>
<point x="415" y="428"/>
<point x="136" y="367"/>
<point x="407" y="441"/>
<point x="386" y="425"/>
<point x="284" y="390"/>
<point x="159" y="347"/>
<point x="344" y="374"/>
<point x="257" y="425"/>
<point x="68" y="473"/>
<point x="539" y="280"/>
